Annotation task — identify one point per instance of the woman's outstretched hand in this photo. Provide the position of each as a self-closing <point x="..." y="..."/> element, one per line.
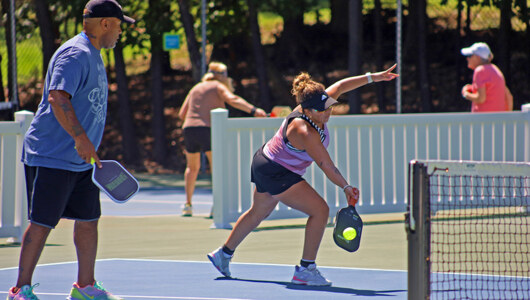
<point x="385" y="75"/>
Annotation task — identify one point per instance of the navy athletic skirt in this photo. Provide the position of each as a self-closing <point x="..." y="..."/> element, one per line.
<point x="271" y="177"/>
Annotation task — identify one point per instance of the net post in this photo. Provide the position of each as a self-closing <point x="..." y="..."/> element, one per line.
<point x="418" y="232"/>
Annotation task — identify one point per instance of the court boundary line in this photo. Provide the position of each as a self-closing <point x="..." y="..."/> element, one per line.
<point x="147" y="297"/>
<point x="246" y="263"/>
<point x="203" y="262"/>
<point x="258" y="264"/>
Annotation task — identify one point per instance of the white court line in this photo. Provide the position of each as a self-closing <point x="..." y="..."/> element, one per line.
<point x="170" y="297"/>
<point x="241" y="263"/>
<point x="204" y="262"/>
<point x="146" y="297"/>
<point x="42" y="265"/>
<point x="152" y="297"/>
<point x="156" y="201"/>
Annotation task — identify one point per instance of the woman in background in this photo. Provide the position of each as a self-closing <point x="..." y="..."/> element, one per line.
<point x="488" y="92"/>
<point x="214" y="91"/>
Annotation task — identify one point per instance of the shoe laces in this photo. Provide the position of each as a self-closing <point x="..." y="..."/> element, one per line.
<point x="29" y="292"/>
<point x="98" y="286"/>
<point x="315" y="272"/>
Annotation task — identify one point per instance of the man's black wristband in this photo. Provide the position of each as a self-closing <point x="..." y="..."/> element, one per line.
<point x="253" y="111"/>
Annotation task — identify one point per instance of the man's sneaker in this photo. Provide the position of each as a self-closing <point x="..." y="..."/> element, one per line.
<point x="187" y="210"/>
<point x="309" y="276"/>
<point x="24" y="293"/>
<point x="220" y="261"/>
<point x="95" y="292"/>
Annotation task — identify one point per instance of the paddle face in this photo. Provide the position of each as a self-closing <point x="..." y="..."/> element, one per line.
<point x="113" y="179"/>
<point x="348" y="217"/>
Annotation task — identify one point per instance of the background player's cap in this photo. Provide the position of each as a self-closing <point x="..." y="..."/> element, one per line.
<point x="105" y="9"/>
<point x="480" y="49"/>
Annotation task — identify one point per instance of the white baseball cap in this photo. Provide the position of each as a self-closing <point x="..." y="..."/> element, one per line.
<point x="480" y="49"/>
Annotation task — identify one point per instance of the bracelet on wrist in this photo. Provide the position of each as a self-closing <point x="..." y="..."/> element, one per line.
<point x="346" y="186"/>
<point x="369" y="77"/>
<point x="253" y="111"/>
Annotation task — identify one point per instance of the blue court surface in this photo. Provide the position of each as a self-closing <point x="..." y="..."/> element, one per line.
<point x="158" y="201"/>
<point x="155" y="279"/>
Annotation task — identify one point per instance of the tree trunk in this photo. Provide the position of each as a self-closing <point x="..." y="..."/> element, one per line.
<point x="257" y="47"/>
<point x="378" y="48"/>
<point x="193" y="46"/>
<point x="468" y="19"/>
<point x="525" y="12"/>
<point x="355" y="51"/>
<point x="157" y="88"/>
<point x="504" y="39"/>
<point x="410" y="35"/>
<point x="423" y="63"/>
<point x="2" y="91"/>
<point x="131" y="154"/>
<point x="157" y="98"/>
<point x="47" y="36"/>
<point x="458" y="56"/>
<point x="11" y="80"/>
<point x="339" y="16"/>
<point x="293" y="23"/>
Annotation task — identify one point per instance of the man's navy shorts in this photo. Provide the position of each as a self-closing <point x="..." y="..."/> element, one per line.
<point x="271" y="177"/>
<point x="54" y="194"/>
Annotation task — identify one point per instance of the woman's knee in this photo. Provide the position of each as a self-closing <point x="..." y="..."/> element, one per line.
<point x="321" y="211"/>
<point x="193" y="168"/>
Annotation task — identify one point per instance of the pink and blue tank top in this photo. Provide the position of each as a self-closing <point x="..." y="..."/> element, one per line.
<point x="280" y="150"/>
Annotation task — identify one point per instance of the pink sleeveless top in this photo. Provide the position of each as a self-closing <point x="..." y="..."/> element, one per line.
<point x="279" y="150"/>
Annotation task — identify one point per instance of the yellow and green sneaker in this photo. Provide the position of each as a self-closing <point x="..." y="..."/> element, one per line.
<point x="91" y="292"/>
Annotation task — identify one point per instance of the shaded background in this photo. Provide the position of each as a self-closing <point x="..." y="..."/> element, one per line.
<point x="265" y="44"/>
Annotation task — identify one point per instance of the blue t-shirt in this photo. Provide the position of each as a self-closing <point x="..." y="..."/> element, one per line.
<point x="76" y="68"/>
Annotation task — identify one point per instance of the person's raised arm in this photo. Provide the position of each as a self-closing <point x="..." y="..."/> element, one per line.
<point x="351" y="83"/>
<point x="240" y="103"/>
<point x="64" y="113"/>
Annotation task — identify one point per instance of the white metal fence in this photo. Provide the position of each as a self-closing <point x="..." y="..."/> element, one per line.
<point x="371" y="151"/>
<point x="13" y="205"/>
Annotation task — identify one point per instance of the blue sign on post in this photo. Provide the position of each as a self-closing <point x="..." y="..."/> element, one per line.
<point x="171" y="41"/>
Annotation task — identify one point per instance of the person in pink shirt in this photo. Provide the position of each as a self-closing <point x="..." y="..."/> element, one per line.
<point x="488" y="92"/>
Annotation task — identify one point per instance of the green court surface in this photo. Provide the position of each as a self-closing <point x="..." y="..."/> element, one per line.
<point x="176" y="238"/>
<point x="168" y="236"/>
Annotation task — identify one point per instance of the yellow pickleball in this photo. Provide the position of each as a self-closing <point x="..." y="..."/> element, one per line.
<point x="349" y="233"/>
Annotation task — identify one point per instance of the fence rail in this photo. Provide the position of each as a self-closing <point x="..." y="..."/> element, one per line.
<point x="372" y="152"/>
<point x="13" y="205"/>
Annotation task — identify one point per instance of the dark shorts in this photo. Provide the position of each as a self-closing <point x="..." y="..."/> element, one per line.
<point x="197" y="139"/>
<point x="270" y="176"/>
<point x="54" y="194"/>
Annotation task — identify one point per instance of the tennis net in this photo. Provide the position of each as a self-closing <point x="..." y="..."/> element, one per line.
<point x="468" y="226"/>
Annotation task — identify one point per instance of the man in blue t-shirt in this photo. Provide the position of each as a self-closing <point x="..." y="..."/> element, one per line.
<point x="59" y="145"/>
